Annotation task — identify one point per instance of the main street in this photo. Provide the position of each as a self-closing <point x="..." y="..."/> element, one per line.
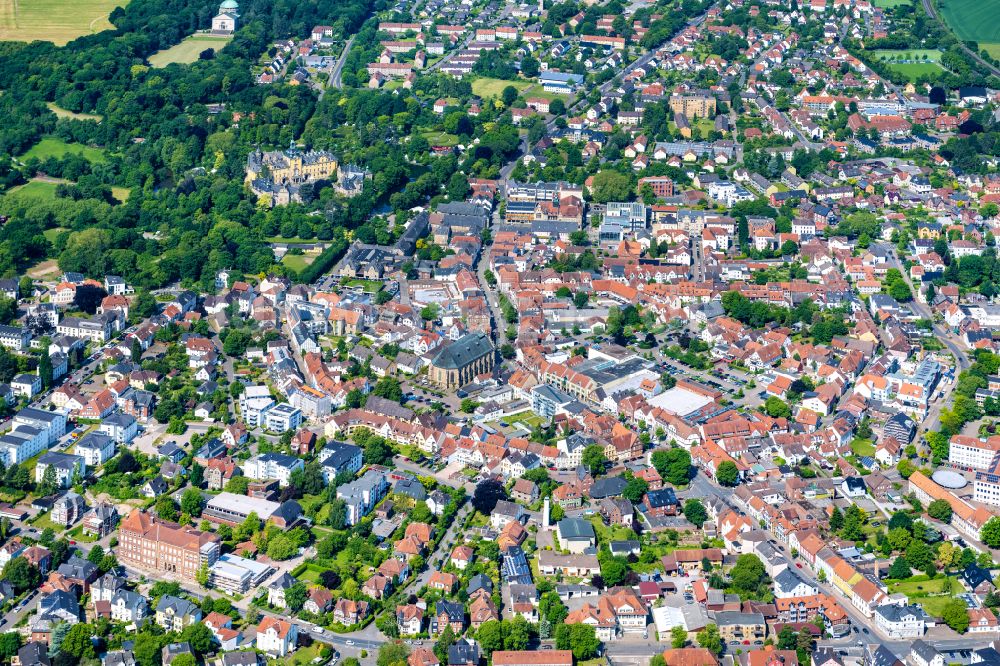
<point x="338" y="69"/>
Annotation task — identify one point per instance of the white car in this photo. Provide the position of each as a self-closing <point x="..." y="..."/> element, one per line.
<point x="349" y="642"/>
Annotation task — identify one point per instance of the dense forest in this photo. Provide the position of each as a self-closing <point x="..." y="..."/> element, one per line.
<point x="187" y="214"/>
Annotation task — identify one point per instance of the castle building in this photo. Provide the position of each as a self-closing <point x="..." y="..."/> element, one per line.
<point x="280" y="174"/>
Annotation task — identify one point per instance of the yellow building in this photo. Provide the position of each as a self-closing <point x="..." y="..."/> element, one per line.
<point x="698" y="105"/>
<point x="290" y="166"/>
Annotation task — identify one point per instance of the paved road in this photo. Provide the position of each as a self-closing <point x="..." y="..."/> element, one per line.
<point x="932" y="420"/>
<point x="929" y="8"/>
<point x="499" y="323"/>
<point x="338" y="69"/>
<point x="443" y="550"/>
<point x="924" y="311"/>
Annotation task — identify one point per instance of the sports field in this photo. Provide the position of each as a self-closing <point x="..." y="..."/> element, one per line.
<point x="53" y="147"/>
<point x="915" y="70"/>
<point x="912" y="63"/>
<point x="57" y="21"/>
<point x="974" y="20"/>
<point x="188" y="50"/>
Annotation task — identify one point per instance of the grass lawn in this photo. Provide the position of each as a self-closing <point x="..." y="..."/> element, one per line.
<point x="35" y="189"/>
<point x="993" y="48"/>
<point x="44" y="520"/>
<point x="77" y="534"/>
<point x="862" y="447"/>
<point x="294" y="240"/>
<point x="297" y="262"/>
<point x="912" y="63"/>
<point x="536" y="90"/>
<point x="528" y="418"/>
<point x="607" y="534"/>
<point x="885" y="4"/>
<point x="52" y="234"/>
<point x="371" y="286"/>
<point x="486" y="87"/>
<point x="934" y="605"/>
<point x="63" y="113"/>
<point x="440" y="138"/>
<point x="971" y="19"/>
<point x="57" y="21"/>
<point x="53" y="147"/>
<point x="915" y="70"/>
<point x="309" y="572"/>
<point x="302" y="656"/>
<point x="187" y="51"/>
<point x="120" y="193"/>
<point x="907" y="55"/>
<point x="931" y="595"/>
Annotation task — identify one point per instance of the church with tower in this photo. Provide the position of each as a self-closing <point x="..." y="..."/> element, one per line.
<point x="225" y="22"/>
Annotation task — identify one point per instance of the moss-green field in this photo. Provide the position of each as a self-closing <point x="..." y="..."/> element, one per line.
<point x="971" y="19"/>
<point x="187" y="51"/>
<point x="53" y="147"/>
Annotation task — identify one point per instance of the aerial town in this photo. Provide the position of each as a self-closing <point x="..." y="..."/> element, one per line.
<point x="495" y="333"/>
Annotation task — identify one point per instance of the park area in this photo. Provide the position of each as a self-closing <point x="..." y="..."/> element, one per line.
<point x="188" y="50"/>
<point x="56" y="21"/>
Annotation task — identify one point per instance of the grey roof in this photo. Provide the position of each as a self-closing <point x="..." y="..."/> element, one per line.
<point x="453" y="609"/>
<point x="505" y="508"/>
<point x="77" y="568"/>
<point x="283" y="582"/>
<point x="339" y="454"/>
<point x="242" y="658"/>
<point x="925" y="651"/>
<point x="479" y="581"/>
<point x="463" y="351"/>
<point x="736" y="617"/>
<point x="607" y="487"/>
<point x="59" y="603"/>
<point x="575" y="528"/>
<point x="463" y="651"/>
<point x="787" y="579"/>
<point x="34" y="653"/>
<point x="880" y="655"/>
<point x="180" y="606"/>
<point x="131" y="600"/>
<point x="59" y="460"/>
<point x="411" y="488"/>
<point x="119" y="658"/>
<point x="93" y="440"/>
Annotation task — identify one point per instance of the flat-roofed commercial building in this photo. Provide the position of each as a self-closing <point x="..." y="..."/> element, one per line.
<point x="235" y="575"/>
